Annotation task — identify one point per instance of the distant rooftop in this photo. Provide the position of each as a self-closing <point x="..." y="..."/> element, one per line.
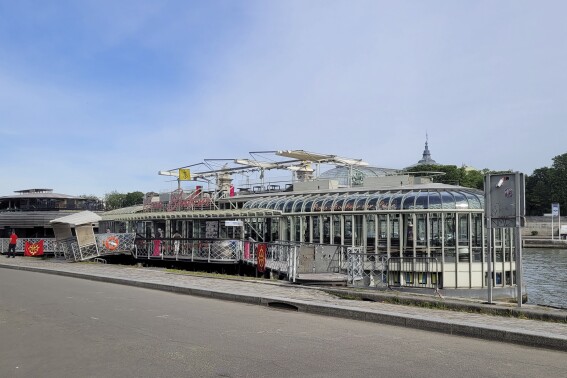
<point x="33" y="191"/>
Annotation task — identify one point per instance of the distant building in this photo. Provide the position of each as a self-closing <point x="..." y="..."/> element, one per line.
<point x="426" y="158"/>
<point x="30" y="211"/>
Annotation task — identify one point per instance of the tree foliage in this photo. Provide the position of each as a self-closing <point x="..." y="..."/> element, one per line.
<point x="453" y="175"/>
<point x="115" y="200"/>
<point x="546" y="186"/>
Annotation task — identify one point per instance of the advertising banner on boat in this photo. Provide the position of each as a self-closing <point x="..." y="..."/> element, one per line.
<point x="262" y="250"/>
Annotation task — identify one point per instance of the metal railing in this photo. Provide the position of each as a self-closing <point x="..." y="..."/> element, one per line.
<point x="49" y="244"/>
<point x="204" y="250"/>
<point x="280" y="257"/>
<point x="366" y="269"/>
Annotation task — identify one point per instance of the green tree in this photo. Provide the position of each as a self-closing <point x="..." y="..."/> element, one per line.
<point x="453" y="175"/>
<point x="134" y="198"/>
<point x="114" y="200"/>
<point x="538" y="191"/>
<point x="547" y="185"/>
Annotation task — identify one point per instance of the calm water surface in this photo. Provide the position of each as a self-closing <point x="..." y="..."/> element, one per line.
<point x="545" y="275"/>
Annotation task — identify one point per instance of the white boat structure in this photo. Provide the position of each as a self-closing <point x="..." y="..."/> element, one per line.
<point x="364" y="225"/>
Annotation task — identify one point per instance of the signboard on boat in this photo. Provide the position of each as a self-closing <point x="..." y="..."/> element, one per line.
<point x="233" y="223"/>
<point x="184" y="174"/>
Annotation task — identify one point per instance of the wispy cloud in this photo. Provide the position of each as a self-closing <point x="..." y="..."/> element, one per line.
<point x="99" y="96"/>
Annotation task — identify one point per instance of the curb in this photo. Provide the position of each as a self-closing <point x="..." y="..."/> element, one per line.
<point x="451" y="304"/>
<point x="375" y="316"/>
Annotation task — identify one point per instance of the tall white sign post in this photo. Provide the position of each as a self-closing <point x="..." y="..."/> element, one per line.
<point x="555" y="212"/>
<point x="504" y="207"/>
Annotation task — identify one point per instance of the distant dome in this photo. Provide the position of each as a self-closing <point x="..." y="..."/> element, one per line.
<point x="341" y="174"/>
<point x="426" y="158"/>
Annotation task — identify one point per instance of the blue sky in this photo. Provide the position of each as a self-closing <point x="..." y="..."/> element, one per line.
<point x="98" y="96"/>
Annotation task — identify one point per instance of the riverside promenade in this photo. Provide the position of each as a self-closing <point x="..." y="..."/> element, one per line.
<point x="461" y="317"/>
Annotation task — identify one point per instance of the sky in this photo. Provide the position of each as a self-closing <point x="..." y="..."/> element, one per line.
<point x="97" y="96"/>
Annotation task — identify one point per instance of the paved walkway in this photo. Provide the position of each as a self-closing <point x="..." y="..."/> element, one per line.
<point x="313" y="300"/>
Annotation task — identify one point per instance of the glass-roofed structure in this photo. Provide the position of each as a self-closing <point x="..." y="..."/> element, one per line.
<point x="389" y="216"/>
<point x="435" y="220"/>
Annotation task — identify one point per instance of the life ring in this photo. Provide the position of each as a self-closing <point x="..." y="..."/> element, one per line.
<point x="111" y="243"/>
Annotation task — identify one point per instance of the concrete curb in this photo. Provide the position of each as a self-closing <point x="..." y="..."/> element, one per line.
<point x="452" y="304"/>
<point x="416" y="322"/>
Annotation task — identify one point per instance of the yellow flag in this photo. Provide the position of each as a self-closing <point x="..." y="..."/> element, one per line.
<point x="184" y="174"/>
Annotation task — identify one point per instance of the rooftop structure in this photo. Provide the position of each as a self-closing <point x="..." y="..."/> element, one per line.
<point x="29" y="211"/>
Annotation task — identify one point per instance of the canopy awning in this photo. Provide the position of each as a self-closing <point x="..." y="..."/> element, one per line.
<point x="213" y="214"/>
<point x="77" y="219"/>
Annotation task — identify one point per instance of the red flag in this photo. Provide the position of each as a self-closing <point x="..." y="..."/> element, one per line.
<point x="231" y="191"/>
<point x="33" y="249"/>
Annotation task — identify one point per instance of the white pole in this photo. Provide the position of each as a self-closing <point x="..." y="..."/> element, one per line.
<point x="552" y="216"/>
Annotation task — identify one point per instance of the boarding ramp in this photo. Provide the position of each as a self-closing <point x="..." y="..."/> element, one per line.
<point x="370" y="270"/>
<point x="280" y="257"/>
<point x="366" y="270"/>
<point x="309" y="263"/>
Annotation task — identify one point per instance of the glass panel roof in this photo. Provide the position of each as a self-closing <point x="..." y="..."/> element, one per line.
<point x="457" y="198"/>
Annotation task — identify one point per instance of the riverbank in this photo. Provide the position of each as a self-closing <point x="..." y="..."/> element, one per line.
<point x="544" y="243"/>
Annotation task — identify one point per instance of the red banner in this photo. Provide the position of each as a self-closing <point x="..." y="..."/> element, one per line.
<point x="33" y="249"/>
<point x="261" y="251"/>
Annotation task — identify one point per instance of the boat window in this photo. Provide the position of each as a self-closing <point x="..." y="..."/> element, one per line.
<point x="384" y="203"/>
<point x="421" y="200"/>
<point x="360" y="203"/>
<point x="327" y="229"/>
<point x="336" y="229"/>
<point x="288" y="205"/>
<point x="262" y="203"/>
<point x="272" y="203"/>
<point x="339" y="202"/>
<point x="473" y="200"/>
<point x="396" y="201"/>
<point x="408" y="200"/>
<point x="308" y="204"/>
<point x="349" y="203"/>
<point x="447" y="200"/>
<point x="347" y="230"/>
<point x="298" y="205"/>
<point x="316" y="230"/>
<point x="434" y="200"/>
<point x="280" y="204"/>
<point x="317" y="204"/>
<point x="328" y="203"/>
<point x="460" y="201"/>
<point x="372" y="203"/>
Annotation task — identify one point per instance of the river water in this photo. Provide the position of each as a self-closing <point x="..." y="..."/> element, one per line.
<point x="545" y="276"/>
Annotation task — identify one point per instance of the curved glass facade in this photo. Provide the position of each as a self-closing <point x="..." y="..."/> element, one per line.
<point x="439" y="224"/>
<point x="416" y="199"/>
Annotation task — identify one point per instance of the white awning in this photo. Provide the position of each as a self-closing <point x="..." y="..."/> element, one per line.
<point x="320" y="158"/>
<point x="77" y="219"/>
